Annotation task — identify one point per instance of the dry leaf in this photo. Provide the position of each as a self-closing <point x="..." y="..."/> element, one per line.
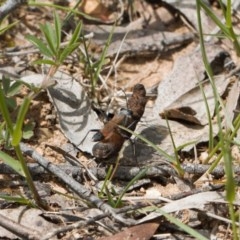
<point x="190" y="106"/>
<point x="75" y="114"/>
<point x="196" y="201"/>
<point x="188" y="9"/>
<point x="95" y="9"/>
<point x="27" y="217"/>
<point x="232" y="104"/>
<point x="141" y="232"/>
<point x="180" y="89"/>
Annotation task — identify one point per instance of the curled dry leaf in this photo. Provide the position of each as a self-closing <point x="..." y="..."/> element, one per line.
<point x="190" y="106"/>
<point x="180" y="96"/>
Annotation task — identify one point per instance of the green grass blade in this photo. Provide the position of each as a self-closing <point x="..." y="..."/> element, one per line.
<point x="229" y="14"/>
<point x="67" y="51"/>
<point x="159" y="150"/>
<point x="211" y="137"/>
<point x="230" y="184"/>
<point x="40" y="45"/>
<point x="45" y="61"/>
<point x="137" y="177"/>
<point x="109" y="172"/>
<point x="20" y="200"/>
<point x="179" y="148"/>
<point x="3" y="30"/>
<point x="177" y="162"/>
<point x="17" y="132"/>
<point x="58" y="27"/>
<point x="183" y="226"/>
<point x="102" y="58"/>
<point x="49" y="34"/>
<point x="4" y="111"/>
<point x="76" y="34"/>
<point x="5" y="84"/>
<point x="14" y="89"/>
<point x="11" y="162"/>
<point x="216" y="20"/>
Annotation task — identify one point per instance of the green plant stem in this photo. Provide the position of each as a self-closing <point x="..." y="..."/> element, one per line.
<point x="6" y="116"/>
<point x="233" y="220"/>
<point x="5" y="112"/>
<point x="29" y="177"/>
<point x="230" y="27"/>
<point x="235" y="41"/>
<point x="236" y="125"/>
<point x="208" y="70"/>
<point x="140" y="174"/>
<point x="106" y="181"/>
<point x="177" y="162"/>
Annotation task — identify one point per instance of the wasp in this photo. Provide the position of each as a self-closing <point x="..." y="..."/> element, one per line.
<point x="111" y="138"/>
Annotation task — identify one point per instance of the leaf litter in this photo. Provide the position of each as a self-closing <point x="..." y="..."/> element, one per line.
<point x="179" y="98"/>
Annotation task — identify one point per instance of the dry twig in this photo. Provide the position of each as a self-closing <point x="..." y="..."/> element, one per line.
<point x="9" y="6"/>
<point x="75" y="186"/>
<point x="18" y="229"/>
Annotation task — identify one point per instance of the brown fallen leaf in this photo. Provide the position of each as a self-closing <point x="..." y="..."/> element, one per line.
<point x="191" y="107"/>
<point x="95" y="9"/>
<point x="141" y="232"/>
<point x="181" y="113"/>
<point x="180" y="96"/>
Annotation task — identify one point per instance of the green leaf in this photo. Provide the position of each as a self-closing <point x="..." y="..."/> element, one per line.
<point x="28" y="130"/>
<point x="14" y="88"/>
<point x="67" y="51"/>
<point x="44" y="61"/>
<point x="136" y="178"/>
<point x="11" y="162"/>
<point x="159" y="150"/>
<point x="6" y="84"/>
<point x="76" y="34"/>
<point x="17" y="132"/>
<point x="18" y="199"/>
<point x="103" y="55"/>
<point x="2" y="30"/>
<point x="50" y="37"/>
<point x="11" y="103"/>
<point x="57" y="24"/>
<point x="110" y="199"/>
<point x="217" y="21"/>
<point x="183" y="226"/>
<point x="5" y="112"/>
<point x="40" y="45"/>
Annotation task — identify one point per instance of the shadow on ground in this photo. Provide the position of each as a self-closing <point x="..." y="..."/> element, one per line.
<point x="143" y="152"/>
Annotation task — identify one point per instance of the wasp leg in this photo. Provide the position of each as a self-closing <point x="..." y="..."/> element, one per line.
<point x="92" y="130"/>
<point x="98" y="136"/>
